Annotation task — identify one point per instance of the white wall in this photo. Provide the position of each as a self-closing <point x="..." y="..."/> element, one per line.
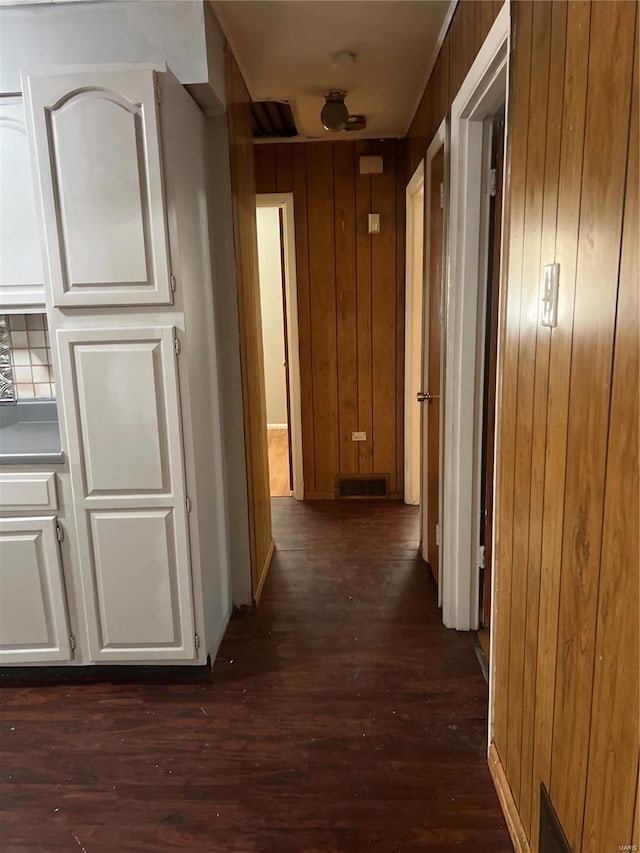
<point x="184" y="35"/>
<point x="270" y="268"/>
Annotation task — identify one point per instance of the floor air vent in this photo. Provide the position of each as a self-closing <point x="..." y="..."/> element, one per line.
<point x="552" y="837"/>
<point x="362" y="486"/>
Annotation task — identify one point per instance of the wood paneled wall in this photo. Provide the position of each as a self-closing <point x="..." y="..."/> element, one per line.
<point x="565" y="631"/>
<point x="350" y="304"/>
<point x="250" y="326"/>
<point x="468" y="29"/>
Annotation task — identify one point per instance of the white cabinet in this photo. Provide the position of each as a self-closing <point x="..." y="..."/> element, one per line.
<point x="21" y="272"/>
<point x="97" y="147"/>
<point x="122" y="406"/>
<point x="33" y="614"/>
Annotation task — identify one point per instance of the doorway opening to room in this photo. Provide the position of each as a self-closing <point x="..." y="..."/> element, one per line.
<point x="414" y="292"/>
<point x="494" y="128"/>
<point x="278" y="302"/>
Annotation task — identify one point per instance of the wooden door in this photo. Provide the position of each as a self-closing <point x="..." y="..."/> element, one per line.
<point x="490" y="360"/>
<point x="432" y="335"/>
<point x="121" y="407"/>
<point x="33" y="609"/>
<point x="21" y="272"/>
<point x="95" y="139"/>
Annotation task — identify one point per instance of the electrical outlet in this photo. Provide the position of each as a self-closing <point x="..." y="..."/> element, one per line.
<point x="358" y="436"/>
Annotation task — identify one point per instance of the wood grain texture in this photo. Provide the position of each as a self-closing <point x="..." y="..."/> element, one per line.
<point x="609" y="809"/>
<point x="302" y="738"/>
<point x="601" y="212"/>
<point x="566" y="237"/>
<point x="278" y="444"/>
<point x="518" y="137"/>
<point x="350" y="305"/>
<point x="250" y="325"/>
<point x="530" y="789"/>
<point x="563" y="583"/>
<point x="509" y="809"/>
<point x="524" y="578"/>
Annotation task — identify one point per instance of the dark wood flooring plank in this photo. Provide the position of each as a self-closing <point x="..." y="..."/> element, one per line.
<point x="341" y="716"/>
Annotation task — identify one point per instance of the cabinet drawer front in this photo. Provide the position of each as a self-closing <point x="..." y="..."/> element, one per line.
<point x="35" y="492"/>
<point x="33" y="608"/>
<point x="96" y="141"/>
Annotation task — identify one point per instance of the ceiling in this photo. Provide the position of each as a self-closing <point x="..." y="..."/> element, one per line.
<point x="284" y="49"/>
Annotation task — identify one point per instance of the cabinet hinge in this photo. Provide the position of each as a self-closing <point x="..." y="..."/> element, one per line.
<point x="437" y="535"/>
<point x="441" y="195"/>
<point x="188" y="504"/>
<point x="481" y="556"/>
<point x="172" y="281"/>
<point x="72" y="642"/>
<point x="197" y="641"/>
<point x="158" y="93"/>
<point x="176" y="344"/>
<point x="59" y="533"/>
<point x="493" y="182"/>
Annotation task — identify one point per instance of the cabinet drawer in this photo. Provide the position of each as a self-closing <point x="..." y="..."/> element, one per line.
<point x="28" y="491"/>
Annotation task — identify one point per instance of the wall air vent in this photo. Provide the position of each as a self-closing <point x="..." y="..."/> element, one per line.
<point x="362" y="486"/>
<point x="272" y="120"/>
<point x="552" y="837"/>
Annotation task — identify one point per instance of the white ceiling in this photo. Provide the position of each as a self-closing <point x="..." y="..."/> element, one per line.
<point x="284" y="48"/>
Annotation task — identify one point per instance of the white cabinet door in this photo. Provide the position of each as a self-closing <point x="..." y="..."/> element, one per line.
<point x="122" y="409"/>
<point x="96" y="142"/>
<point x="33" y="609"/>
<point x="21" y="273"/>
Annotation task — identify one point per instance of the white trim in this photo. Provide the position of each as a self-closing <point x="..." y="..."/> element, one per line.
<point x="284" y="201"/>
<point x="277" y="426"/>
<point x="482" y="92"/>
<point x="442" y="34"/>
<point x="439" y="141"/>
<point x="413" y="305"/>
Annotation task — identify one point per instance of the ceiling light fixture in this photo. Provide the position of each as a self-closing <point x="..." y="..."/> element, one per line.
<point x="334" y="115"/>
<point x="343" y="58"/>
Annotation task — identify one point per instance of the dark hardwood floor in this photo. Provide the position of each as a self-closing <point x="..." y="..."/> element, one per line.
<point x="341" y="717"/>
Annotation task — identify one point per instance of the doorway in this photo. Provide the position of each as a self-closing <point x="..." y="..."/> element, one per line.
<point x="278" y="300"/>
<point x="488" y="337"/>
<point x="414" y="289"/>
<point x="481" y="95"/>
<point x="428" y="398"/>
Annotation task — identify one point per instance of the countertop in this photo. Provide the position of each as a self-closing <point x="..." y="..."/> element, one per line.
<point x="29" y="433"/>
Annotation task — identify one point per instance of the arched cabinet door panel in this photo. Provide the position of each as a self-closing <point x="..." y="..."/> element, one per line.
<point x="96" y="145"/>
<point x="21" y="272"/>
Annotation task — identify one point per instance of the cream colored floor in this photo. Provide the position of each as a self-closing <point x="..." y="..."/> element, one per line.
<point x="278" y="463"/>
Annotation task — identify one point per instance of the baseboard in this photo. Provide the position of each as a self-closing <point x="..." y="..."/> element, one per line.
<point x="277" y="426"/>
<point x="507" y="803"/>
<point x="264" y="571"/>
<point x="319" y="496"/>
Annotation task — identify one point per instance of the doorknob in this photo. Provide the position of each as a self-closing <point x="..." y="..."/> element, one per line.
<point x="426" y="397"/>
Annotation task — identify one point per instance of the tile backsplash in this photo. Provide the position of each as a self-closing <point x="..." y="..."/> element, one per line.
<point x="30" y="356"/>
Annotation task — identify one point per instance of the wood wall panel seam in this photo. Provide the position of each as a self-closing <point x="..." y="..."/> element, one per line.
<point x="608" y="104"/>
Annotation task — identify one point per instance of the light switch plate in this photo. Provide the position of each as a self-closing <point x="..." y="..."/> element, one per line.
<point x="374" y="223"/>
<point x="358" y="436"/>
<point x="549" y="295"/>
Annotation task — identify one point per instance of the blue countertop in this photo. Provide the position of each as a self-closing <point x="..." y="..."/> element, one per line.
<point x="29" y="433"/>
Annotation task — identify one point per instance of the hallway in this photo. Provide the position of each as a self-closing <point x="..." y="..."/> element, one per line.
<point x="340" y="717"/>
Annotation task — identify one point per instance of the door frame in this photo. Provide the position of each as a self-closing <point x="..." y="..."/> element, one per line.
<point x="414" y="294"/>
<point x="482" y="92"/>
<point x="440" y="140"/>
<point x="284" y="202"/>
